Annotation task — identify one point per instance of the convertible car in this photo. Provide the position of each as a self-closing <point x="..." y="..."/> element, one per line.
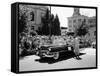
<point x="53" y="50"/>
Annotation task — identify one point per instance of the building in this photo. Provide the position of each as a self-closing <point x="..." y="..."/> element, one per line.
<point x="33" y="13"/>
<point x="64" y="30"/>
<point x="76" y="20"/>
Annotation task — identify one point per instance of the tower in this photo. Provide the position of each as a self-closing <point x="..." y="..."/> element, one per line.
<point x="76" y="12"/>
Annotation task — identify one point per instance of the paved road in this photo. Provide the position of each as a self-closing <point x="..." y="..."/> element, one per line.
<point x="32" y="63"/>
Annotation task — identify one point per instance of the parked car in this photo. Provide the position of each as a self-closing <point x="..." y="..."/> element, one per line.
<point x="53" y="51"/>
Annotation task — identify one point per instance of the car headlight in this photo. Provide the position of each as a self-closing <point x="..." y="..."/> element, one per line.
<point x="49" y="49"/>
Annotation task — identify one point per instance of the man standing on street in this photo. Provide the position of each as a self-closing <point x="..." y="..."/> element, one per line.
<point x="76" y="47"/>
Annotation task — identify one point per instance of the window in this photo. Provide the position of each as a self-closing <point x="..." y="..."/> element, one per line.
<point x="74" y="21"/>
<point x="32" y="27"/>
<point x="90" y="21"/>
<point x="32" y="16"/>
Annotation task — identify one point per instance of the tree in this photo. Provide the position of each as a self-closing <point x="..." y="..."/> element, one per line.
<point x="39" y="31"/>
<point x="82" y="29"/>
<point x="50" y="25"/>
<point x="45" y="23"/>
<point x="22" y="22"/>
<point x="56" y="29"/>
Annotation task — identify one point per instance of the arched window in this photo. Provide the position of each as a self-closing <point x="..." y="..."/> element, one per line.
<point x="32" y="16"/>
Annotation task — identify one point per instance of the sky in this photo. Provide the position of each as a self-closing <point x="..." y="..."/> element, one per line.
<point x="65" y="12"/>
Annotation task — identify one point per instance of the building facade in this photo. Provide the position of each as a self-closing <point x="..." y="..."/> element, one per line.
<point x="76" y="20"/>
<point x="33" y="13"/>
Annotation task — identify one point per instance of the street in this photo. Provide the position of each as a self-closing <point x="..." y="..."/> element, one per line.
<point x="33" y="63"/>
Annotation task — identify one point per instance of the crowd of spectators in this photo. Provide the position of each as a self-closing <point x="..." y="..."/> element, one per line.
<point x="28" y="43"/>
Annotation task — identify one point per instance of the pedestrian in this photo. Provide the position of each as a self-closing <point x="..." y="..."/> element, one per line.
<point x="76" y="47"/>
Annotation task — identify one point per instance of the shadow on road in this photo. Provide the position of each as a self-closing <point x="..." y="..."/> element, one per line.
<point x="64" y="56"/>
<point x="61" y="58"/>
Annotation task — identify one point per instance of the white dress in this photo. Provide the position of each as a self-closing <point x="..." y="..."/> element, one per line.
<point x="76" y="46"/>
